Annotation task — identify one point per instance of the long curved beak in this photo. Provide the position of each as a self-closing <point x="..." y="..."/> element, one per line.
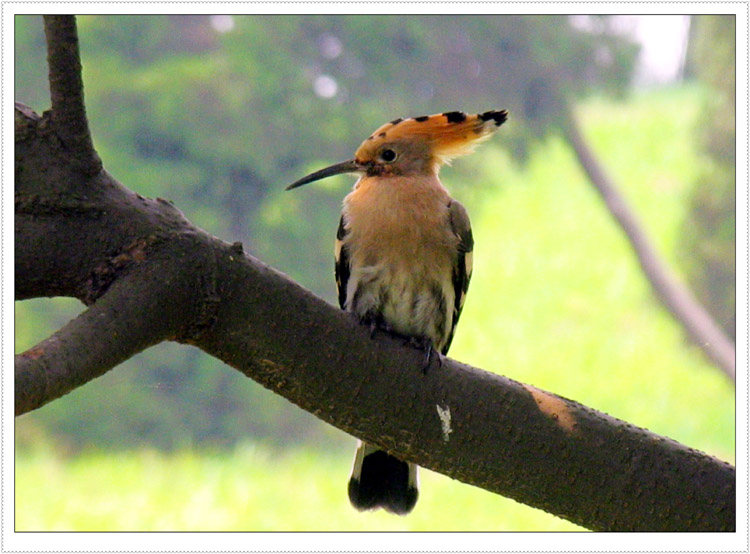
<point x="349" y="166"/>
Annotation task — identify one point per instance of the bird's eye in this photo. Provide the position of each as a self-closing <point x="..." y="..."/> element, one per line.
<point x="388" y="155"/>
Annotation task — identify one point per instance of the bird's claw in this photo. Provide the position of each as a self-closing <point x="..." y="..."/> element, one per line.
<point x="373" y="328"/>
<point x="426" y="345"/>
<point x="376" y="323"/>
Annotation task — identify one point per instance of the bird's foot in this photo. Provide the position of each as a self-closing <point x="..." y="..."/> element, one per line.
<point x="425" y="344"/>
<point x="376" y="323"/>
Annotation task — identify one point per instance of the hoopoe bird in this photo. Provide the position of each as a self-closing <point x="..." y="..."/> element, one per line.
<point x="404" y="259"/>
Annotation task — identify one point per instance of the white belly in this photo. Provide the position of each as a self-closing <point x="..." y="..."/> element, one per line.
<point x="414" y="303"/>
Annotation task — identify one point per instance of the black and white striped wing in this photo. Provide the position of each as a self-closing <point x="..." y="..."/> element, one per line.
<point x="341" y="264"/>
<point x="461" y="227"/>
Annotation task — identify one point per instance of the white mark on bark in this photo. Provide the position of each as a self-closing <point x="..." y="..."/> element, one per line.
<point x="445" y="421"/>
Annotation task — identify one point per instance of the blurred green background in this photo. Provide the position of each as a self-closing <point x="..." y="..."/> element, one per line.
<point x="219" y="113"/>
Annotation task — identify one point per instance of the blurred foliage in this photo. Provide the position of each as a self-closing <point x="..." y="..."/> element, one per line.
<point x="709" y="229"/>
<point x="218" y="113"/>
<point x="222" y="120"/>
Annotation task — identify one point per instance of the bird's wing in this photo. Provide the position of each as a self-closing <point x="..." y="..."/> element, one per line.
<point x="341" y="263"/>
<point x="461" y="227"/>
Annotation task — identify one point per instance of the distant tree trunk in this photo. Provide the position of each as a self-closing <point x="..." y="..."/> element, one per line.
<point x="676" y="297"/>
<point x="708" y="236"/>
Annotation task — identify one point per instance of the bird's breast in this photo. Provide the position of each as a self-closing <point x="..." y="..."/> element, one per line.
<point x="402" y="251"/>
<point x="400" y="223"/>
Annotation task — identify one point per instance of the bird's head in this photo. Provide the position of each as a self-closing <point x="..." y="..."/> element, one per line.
<point x="415" y="146"/>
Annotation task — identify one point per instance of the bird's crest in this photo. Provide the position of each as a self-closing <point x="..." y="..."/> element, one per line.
<point x="447" y="135"/>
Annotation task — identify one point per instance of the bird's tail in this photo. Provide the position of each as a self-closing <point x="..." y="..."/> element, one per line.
<point x="380" y="480"/>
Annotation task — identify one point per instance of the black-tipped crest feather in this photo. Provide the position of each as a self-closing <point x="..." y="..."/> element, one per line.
<point x="447" y="135"/>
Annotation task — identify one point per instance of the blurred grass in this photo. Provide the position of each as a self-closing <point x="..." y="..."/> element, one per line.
<point x="557" y="301"/>
<point x="252" y="489"/>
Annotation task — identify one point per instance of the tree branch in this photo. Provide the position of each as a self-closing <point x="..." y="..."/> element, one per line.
<point x="506" y="437"/>
<point x="150" y="275"/>
<point x="677" y="298"/>
<point x="66" y="91"/>
<point x="151" y="301"/>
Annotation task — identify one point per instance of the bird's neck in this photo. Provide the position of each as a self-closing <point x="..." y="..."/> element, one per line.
<point x="397" y="201"/>
<point x="393" y="217"/>
<point x="412" y="189"/>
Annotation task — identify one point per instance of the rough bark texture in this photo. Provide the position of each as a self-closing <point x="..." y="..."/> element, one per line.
<point x="148" y="275"/>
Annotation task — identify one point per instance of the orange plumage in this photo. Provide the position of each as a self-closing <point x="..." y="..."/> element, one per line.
<point x="446" y="135"/>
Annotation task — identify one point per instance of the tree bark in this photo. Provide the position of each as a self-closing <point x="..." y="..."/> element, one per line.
<point x="149" y="275"/>
<point x="66" y="90"/>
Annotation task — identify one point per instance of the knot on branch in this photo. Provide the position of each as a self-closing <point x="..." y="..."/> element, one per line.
<point x="106" y="273"/>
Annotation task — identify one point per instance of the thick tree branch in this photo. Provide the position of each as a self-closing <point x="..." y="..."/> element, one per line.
<point x="506" y="437"/>
<point x="677" y="298"/>
<point x="150" y="275"/>
<point x="151" y="301"/>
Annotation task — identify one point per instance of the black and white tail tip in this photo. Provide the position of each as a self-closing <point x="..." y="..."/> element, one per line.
<point x="380" y="480"/>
